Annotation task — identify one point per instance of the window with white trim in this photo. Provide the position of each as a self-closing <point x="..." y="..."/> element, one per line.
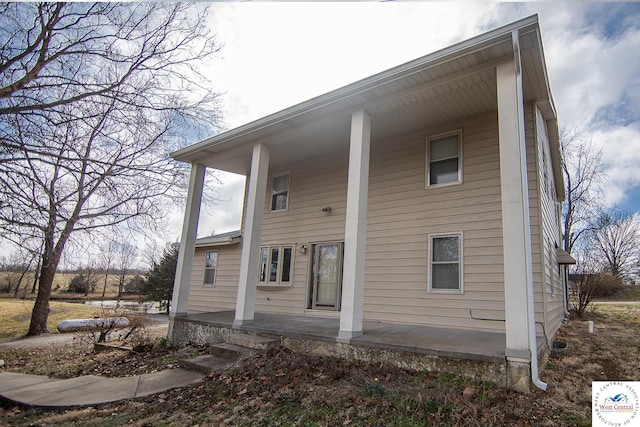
<point x="445" y="263"/>
<point x="210" y="267"/>
<point x="275" y="265"/>
<point x="280" y="191"/>
<point x="444" y="159"/>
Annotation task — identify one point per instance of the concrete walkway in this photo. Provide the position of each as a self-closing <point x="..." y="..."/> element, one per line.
<point x="42" y="391"/>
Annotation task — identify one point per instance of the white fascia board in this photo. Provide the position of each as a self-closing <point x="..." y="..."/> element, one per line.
<point x="206" y="243"/>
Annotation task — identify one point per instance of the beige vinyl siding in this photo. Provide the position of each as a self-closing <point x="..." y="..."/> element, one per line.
<point x="550" y="238"/>
<point x="402" y="214"/>
<point x="314" y="185"/>
<point x="223" y="295"/>
<point x="534" y="215"/>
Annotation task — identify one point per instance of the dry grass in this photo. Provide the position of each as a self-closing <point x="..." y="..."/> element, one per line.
<point x="16" y="315"/>
<point x="287" y="389"/>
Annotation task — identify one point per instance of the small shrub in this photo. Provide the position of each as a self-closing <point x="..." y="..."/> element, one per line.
<point x="83" y="283"/>
<point x="374" y="388"/>
<point x="586" y="287"/>
<point x="134" y="285"/>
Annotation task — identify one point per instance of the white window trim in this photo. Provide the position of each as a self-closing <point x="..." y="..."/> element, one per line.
<point x="215" y="270"/>
<point x="273" y="177"/>
<point x="278" y="282"/>
<point x="428" y="160"/>
<point x="460" y="289"/>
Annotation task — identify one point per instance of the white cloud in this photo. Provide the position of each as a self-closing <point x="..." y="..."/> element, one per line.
<point x="278" y="54"/>
<point x="621" y="149"/>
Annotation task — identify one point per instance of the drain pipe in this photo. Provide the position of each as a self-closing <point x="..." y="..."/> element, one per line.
<point x="531" y="317"/>
<point x="528" y="256"/>
<point x="531" y="314"/>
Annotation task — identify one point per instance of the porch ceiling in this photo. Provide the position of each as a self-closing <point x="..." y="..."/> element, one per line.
<point x="438" y="89"/>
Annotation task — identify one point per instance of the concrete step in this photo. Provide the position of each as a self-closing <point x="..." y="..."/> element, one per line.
<point x="208" y="363"/>
<point x="252" y="341"/>
<point x="229" y="351"/>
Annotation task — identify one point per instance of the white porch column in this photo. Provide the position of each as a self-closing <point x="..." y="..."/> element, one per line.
<point x="518" y="274"/>
<point x="355" y="227"/>
<point x="245" y="304"/>
<point x="180" y="297"/>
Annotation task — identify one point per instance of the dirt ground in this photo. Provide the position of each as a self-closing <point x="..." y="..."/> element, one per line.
<point x="286" y="389"/>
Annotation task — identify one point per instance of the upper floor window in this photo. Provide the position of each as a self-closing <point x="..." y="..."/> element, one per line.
<point x="444" y="160"/>
<point x="210" y="267"/>
<point x="280" y="191"/>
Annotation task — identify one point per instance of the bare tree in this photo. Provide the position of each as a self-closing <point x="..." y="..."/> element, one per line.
<point x="617" y="242"/>
<point x="15" y="269"/>
<point x="590" y="285"/>
<point x="106" y="257"/>
<point x="584" y="172"/>
<point x="92" y="99"/>
<point x="125" y="258"/>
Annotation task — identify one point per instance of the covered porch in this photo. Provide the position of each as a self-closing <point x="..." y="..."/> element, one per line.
<point x="474" y="354"/>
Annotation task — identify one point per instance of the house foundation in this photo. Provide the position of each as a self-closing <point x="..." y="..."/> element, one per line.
<point x="431" y="355"/>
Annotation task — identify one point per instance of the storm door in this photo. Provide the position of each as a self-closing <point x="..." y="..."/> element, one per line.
<point x="326" y="276"/>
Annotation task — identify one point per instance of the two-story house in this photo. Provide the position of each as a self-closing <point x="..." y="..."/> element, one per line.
<point x="416" y="210"/>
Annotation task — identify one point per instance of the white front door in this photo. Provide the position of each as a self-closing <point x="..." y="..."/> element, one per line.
<point x="326" y="276"/>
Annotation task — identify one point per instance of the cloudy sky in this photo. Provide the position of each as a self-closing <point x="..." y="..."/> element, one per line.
<point x="278" y="54"/>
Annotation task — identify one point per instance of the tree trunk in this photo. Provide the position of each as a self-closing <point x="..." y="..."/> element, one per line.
<point x="36" y="276"/>
<point x="104" y="287"/>
<point x="51" y="255"/>
<point x="40" y="313"/>
<point x="24" y="273"/>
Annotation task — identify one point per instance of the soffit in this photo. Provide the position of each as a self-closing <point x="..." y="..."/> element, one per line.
<point x="416" y="99"/>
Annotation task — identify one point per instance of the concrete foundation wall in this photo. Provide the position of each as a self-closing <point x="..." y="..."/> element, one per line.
<point x="182" y="332"/>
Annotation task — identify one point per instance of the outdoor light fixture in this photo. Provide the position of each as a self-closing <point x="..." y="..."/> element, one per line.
<point x="303" y="249"/>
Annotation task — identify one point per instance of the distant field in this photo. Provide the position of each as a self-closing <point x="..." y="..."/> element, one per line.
<point x="60" y="285"/>
<point x="16" y="315"/>
<point x="626" y="293"/>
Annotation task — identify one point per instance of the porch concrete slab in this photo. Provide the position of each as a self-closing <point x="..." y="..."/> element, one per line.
<point x="161" y="381"/>
<point x="445" y="342"/>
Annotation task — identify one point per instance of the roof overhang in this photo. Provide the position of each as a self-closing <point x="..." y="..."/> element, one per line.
<point x="442" y="88"/>
<point x="231" y="238"/>
<point x="564" y="258"/>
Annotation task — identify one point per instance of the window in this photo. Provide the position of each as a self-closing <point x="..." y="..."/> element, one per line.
<point x="444" y="164"/>
<point x="445" y="263"/>
<point x="280" y="191"/>
<point x="275" y="265"/>
<point x="210" y="267"/>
